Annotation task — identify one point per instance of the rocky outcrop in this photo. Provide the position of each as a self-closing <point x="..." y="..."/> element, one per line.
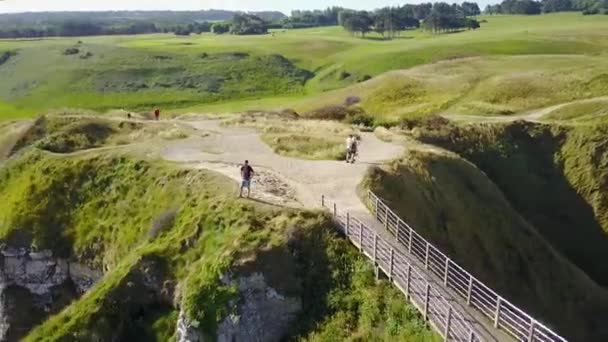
<point x="259" y="314"/>
<point x="34" y="285"/>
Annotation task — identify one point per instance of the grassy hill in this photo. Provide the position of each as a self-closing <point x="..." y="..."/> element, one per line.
<point x="164" y="237"/>
<point x="204" y="73"/>
<point x="460" y="209"/>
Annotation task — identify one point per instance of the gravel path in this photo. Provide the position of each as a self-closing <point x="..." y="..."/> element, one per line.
<point x="280" y="180"/>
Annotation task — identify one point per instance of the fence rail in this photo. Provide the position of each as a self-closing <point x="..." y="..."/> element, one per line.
<point x="502" y="313"/>
<point x="407" y="277"/>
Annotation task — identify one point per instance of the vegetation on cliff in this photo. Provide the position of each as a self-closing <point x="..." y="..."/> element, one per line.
<point x="165" y="236"/>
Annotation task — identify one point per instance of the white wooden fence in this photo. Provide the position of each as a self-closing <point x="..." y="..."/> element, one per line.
<point x="498" y="310"/>
<point x="407" y="277"/>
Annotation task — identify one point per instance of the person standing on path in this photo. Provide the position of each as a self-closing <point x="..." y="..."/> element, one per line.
<point x="247" y="174"/>
<point x="157" y="114"/>
<point x="351" y="148"/>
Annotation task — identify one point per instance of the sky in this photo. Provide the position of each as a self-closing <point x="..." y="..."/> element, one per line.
<point x="285" y="6"/>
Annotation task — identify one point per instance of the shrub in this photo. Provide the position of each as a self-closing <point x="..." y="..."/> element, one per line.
<point x="343" y="75"/>
<point x="331" y="112"/>
<point x="4" y="57"/>
<point x="203" y="55"/>
<point x="432" y="122"/>
<point x="71" y="51"/>
<point x="86" y="55"/>
<point x="365" y="78"/>
<point x="360" y="118"/>
<point x="289" y="114"/>
<point x="352" y="100"/>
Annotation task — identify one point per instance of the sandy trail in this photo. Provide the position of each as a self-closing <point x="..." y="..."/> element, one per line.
<point x="281" y="180"/>
<point x="534" y="115"/>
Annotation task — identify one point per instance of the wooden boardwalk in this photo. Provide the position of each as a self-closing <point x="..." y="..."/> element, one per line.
<point x="455" y="304"/>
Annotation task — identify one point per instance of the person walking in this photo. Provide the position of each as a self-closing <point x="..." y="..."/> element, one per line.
<point x="157" y="114"/>
<point x="247" y="174"/>
<point x="351" y="149"/>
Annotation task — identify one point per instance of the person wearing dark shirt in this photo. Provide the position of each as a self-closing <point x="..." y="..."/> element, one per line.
<point x="246" y="174"/>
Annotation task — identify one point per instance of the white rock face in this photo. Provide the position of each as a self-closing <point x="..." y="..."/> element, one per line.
<point x="38" y="273"/>
<point x="186" y="331"/>
<point x="261" y="314"/>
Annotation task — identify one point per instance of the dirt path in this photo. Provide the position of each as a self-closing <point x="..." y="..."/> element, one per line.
<point x="533" y="115"/>
<point x="281" y="180"/>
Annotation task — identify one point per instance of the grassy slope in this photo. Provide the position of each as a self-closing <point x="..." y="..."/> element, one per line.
<point x="551" y="174"/>
<point x="328" y="52"/>
<point x="105" y="209"/>
<point x="587" y="112"/>
<point x="455" y="205"/>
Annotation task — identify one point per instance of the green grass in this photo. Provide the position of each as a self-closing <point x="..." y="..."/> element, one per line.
<point x="122" y="66"/>
<point x="457" y="206"/>
<point x="104" y="209"/>
<point x="581" y="112"/>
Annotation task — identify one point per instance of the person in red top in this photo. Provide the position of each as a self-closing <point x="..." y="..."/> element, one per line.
<point x="157" y="114"/>
<point x="246" y="173"/>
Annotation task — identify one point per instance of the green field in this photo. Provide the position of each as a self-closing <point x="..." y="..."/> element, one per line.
<point x="524" y="63"/>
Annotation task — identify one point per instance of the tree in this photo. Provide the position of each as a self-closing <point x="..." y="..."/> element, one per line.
<point x="470" y="9"/>
<point x="248" y="24"/>
<point x="445" y="17"/>
<point x="220" y="28"/>
<point x="549" y="6"/>
<point x="422" y="11"/>
<point x="359" y="21"/>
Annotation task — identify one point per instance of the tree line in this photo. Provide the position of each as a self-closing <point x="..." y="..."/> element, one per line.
<point x="390" y="21"/>
<point x="531" y="7"/>
<point x="34" y="25"/>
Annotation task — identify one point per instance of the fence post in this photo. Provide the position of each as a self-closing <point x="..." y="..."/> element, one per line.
<point x="360" y="236"/>
<point x="447" y="270"/>
<point x="390" y="266"/>
<point x="323" y="201"/>
<point x="531" y="331"/>
<point x="448" y="322"/>
<point x="376" y="206"/>
<point x="386" y="218"/>
<point x="408" y="280"/>
<point x="469" y="290"/>
<point x="375" y="249"/>
<point x="335" y="210"/>
<point x="426" y="301"/>
<point x="397" y="229"/>
<point x="409" y="243"/>
<point x="497" y="315"/>
<point x="347" y="223"/>
<point x="426" y="257"/>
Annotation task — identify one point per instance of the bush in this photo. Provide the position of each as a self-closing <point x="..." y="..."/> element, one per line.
<point x="331" y="112"/>
<point x="344" y="75"/>
<point x="4" y="57"/>
<point x="289" y="114"/>
<point x="591" y="11"/>
<point x="352" y="100"/>
<point x="203" y="55"/>
<point x="86" y="55"/>
<point x="360" y="118"/>
<point x="432" y="123"/>
<point x="71" y="51"/>
<point x="365" y="78"/>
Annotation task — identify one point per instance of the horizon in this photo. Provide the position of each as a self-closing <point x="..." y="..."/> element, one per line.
<point x="34" y="6"/>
